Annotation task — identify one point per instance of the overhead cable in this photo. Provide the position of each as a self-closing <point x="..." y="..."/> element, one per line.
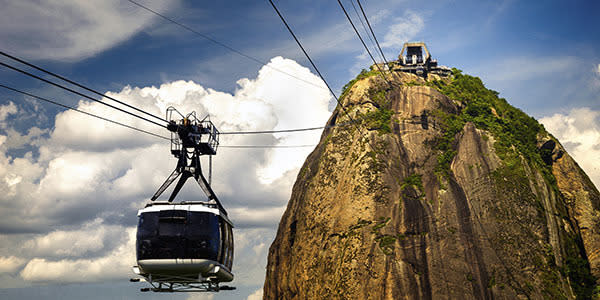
<point x="264" y="146"/>
<point x="211" y="39"/>
<point x="83" y="112"/>
<point x="358" y="127"/>
<point x="79" y="85"/>
<point x="365" y="28"/>
<point x="141" y="130"/>
<point x="311" y="61"/>
<point x="372" y="32"/>
<point x="363" y="42"/>
<point x="305" y="53"/>
<point x="271" y="131"/>
<point x="78" y="93"/>
<point x="284" y="130"/>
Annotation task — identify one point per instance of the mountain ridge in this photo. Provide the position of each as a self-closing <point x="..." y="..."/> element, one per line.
<point x="443" y="190"/>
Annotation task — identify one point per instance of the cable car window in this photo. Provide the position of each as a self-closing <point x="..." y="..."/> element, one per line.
<point x="226" y="244"/>
<point x="172" y="222"/>
<point x="222" y="244"/>
<point x="202" y="223"/>
<point x="230" y="239"/>
<point x="147" y="224"/>
<point x="203" y="235"/>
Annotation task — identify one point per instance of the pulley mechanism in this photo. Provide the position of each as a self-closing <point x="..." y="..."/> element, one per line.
<point x="190" y="139"/>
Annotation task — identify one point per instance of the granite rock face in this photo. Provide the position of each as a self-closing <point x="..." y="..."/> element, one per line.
<point x="425" y="196"/>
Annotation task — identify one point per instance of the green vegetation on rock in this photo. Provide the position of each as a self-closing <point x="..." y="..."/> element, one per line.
<point x="511" y="127"/>
<point x="386" y="243"/>
<point x="516" y="138"/>
<point x="578" y="269"/>
<point x="379" y="119"/>
<point x="363" y="74"/>
<point x="413" y="180"/>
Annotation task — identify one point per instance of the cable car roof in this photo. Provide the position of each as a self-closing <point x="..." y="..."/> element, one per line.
<point x="195" y="206"/>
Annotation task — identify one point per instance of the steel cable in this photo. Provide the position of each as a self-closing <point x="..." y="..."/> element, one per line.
<point x="78" y="85"/>
<point x="78" y="93"/>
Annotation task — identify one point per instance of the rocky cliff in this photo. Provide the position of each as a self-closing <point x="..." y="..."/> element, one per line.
<point x="439" y="190"/>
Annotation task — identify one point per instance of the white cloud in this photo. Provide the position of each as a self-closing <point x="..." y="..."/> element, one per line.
<point x="10" y="264"/>
<point x="249" y="217"/>
<point x="493" y="16"/>
<point x="115" y="265"/>
<point x="273" y="85"/>
<point x="379" y="16"/>
<point x="93" y="238"/>
<point x="595" y="79"/>
<point x="200" y="296"/>
<point x="5" y="111"/>
<point x="257" y="295"/>
<point x="403" y="30"/>
<point x="70" y="30"/>
<point x="17" y="141"/>
<point x="579" y="132"/>
<point x="250" y="259"/>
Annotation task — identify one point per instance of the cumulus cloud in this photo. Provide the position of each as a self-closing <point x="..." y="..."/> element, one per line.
<point x="274" y="86"/>
<point x="70" y="30"/>
<point x="91" y="240"/>
<point x="595" y="80"/>
<point x="15" y="140"/>
<point x="404" y="29"/>
<point x="579" y="132"/>
<point x="200" y="296"/>
<point x="71" y="210"/>
<point x="257" y="295"/>
<point x="5" y="111"/>
<point x="11" y="264"/>
<point x="250" y="258"/>
<point x="379" y="16"/>
<point x="248" y="217"/>
<point x="115" y="265"/>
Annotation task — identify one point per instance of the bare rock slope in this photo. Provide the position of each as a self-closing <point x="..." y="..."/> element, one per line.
<point x="438" y="190"/>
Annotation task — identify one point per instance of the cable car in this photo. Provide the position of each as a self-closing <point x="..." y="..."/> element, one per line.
<point x="188" y="245"/>
<point x="184" y="243"/>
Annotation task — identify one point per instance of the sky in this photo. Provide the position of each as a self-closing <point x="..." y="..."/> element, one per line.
<point x="71" y="184"/>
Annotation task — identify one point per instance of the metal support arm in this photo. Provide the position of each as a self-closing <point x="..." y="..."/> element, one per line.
<point x="194" y="169"/>
<point x="166" y="184"/>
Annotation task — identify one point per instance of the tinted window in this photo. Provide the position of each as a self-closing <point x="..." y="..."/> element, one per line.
<point x="178" y="234"/>
<point x="202" y="223"/>
<point x="203" y="235"/>
<point x="230" y="237"/>
<point x="147" y="224"/>
<point x="172" y="222"/>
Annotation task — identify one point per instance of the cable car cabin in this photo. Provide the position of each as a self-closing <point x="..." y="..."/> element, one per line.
<point x="186" y="242"/>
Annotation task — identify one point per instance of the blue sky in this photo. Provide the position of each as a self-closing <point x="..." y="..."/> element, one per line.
<point x="542" y="56"/>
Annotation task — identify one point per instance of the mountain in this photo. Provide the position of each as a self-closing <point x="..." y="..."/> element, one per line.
<point x="436" y="189"/>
